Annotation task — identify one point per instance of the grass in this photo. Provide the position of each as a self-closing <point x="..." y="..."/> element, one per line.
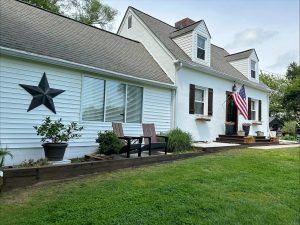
<point x="234" y="187"/>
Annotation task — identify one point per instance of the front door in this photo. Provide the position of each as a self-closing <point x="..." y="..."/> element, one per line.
<point x="231" y="111"/>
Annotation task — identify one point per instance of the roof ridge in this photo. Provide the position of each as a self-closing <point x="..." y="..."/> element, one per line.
<point x="186" y="26"/>
<point x="66" y="17"/>
<point x="150" y="16"/>
<point x="251" y="49"/>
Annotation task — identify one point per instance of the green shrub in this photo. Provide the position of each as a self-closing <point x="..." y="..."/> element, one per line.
<point x="289" y="127"/>
<point x="3" y="153"/>
<point x="109" y="143"/>
<point x="179" y="140"/>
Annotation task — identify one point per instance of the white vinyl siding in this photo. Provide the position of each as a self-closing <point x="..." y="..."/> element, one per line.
<point x="241" y="65"/>
<point x="185" y="43"/>
<point x="16" y="130"/>
<point x="93" y="99"/>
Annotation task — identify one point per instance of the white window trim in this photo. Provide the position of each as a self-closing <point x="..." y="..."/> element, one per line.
<point x="256" y="109"/>
<point x="255" y="69"/>
<point x="197" y="46"/>
<point x="205" y="100"/>
<point x="105" y="99"/>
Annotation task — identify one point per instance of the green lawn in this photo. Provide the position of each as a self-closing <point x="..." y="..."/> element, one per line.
<point x="234" y="187"/>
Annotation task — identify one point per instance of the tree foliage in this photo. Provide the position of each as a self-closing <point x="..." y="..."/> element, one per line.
<point x="51" y="5"/>
<point x="90" y="12"/>
<point x="278" y="86"/>
<point x="93" y="12"/>
<point x="285" y="95"/>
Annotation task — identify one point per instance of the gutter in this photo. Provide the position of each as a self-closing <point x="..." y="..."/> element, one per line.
<point x="180" y="63"/>
<point x="78" y="66"/>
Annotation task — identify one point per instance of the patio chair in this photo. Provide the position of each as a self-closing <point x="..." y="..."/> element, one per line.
<point x="150" y="138"/>
<point x="129" y="143"/>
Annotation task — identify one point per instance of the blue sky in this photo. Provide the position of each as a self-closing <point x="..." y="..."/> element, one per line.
<point x="269" y="26"/>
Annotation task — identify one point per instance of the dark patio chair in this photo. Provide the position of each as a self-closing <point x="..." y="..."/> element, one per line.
<point x="129" y="143"/>
<point x="150" y="138"/>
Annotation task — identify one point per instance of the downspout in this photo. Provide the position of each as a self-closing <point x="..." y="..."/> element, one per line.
<point x="178" y="66"/>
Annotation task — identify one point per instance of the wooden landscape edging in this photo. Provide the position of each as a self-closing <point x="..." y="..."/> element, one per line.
<point x="22" y="177"/>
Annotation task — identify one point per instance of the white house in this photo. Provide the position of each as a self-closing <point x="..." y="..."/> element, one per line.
<point x="150" y="72"/>
<point x="203" y="73"/>
<point x="105" y="78"/>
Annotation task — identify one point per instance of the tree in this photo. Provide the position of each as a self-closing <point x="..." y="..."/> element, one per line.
<point x="50" y="5"/>
<point x="293" y="71"/>
<point x="92" y="12"/>
<point x="292" y="93"/>
<point x="278" y="86"/>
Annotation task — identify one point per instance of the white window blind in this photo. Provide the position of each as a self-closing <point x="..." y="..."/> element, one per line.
<point x="115" y="102"/>
<point x="134" y="104"/>
<point x="93" y="99"/>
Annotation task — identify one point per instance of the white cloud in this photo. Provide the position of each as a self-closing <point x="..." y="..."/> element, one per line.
<point x="284" y="60"/>
<point x="251" y="37"/>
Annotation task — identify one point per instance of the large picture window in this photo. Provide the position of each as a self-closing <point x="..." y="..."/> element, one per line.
<point x="119" y="102"/>
<point x="115" y="102"/>
<point x="93" y="99"/>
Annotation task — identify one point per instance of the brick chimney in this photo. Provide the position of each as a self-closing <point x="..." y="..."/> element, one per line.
<point x="184" y="23"/>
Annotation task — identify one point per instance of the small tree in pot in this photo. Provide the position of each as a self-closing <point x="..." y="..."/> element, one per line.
<point x="55" y="136"/>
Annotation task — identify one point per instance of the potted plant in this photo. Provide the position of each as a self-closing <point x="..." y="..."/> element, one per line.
<point x="55" y="136"/>
<point x="241" y="133"/>
<point x="229" y="128"/>
<point x="246" y="128"/>
<point x="259" y="133"/>
<point x="109" y="143"/>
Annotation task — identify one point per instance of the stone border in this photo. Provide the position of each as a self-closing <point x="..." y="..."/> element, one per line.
<point x="22" y="177"/>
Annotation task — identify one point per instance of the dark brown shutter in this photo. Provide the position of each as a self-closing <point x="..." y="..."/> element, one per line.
<point x="249" y="108"/>
<point x="210" y="101"/>
<point x="259" y="110"/>
<point x="192" y="99"/>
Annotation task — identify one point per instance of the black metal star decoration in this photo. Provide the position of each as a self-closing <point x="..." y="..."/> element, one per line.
<point x="42" y="94"/>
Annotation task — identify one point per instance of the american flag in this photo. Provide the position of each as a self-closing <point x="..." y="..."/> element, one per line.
<point x="239" y="99"/>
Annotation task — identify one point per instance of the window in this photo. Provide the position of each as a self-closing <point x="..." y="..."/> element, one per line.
<point x="253" y="110"/>
<point x="200" y="47"/>
<point x="134" y="104"/>
<point x="129" y="22"/>
<point x="93" y="99"/>
<point x="253" y="69"/>
<point x="119" y="102"/>
<point x="115" y="102"/>
<point x="199" y="101"/>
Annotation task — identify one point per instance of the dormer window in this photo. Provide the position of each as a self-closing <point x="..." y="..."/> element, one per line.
<point x="253" y="69"/>
<point x="200" y="47"/>
<point x="129" y="22"/>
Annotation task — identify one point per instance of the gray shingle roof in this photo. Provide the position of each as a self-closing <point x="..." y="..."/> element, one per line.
<point x="184" y="30"/>
<point x="163" y="31"/>
<point x="27" y="28"/>
<point x="239" y="55"/>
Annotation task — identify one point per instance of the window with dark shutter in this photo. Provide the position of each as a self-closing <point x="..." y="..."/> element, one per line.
<point x="192" y="99"/>
<point x="259" y="110"/>
<point x="249" y="108"/>
<point x="210" y="101"/>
